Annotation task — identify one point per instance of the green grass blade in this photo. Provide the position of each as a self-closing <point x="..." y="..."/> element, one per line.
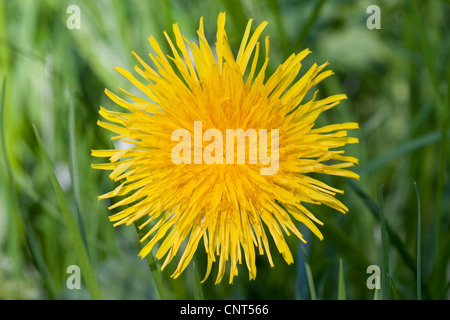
<point x="74" y="173"/>
<point x="344" y="245"/>
<point x="429" y="54"/>
<point x="281" y="32"/>
<point x="395" y="239"/>
<point x="301" y="286"/>
<point x="419" y="241"/>
<point x="441" y="172"/>
<point x="21" y="223"/>
<point x="393" y="287"/>
<point x="198" y="292"/>
<point x="401" y="149"/>
<point x="153" y="266"/>
<point x="235" y="10"/>
<point x="72" y="227"/>
<point x="168" y="12"/>
<point x="386" y="291"/>
<point x="341" y="282"/>
<point x="15" y="224"/>
<point x="309" y="24"/>
<point x="312" y="290"/>
<point x="376" y="295"/>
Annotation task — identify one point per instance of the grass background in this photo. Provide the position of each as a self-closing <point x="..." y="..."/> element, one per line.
<point x="397" y="81"/>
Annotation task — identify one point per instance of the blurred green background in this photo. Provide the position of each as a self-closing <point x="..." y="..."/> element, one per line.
<point x="397" y="81"/>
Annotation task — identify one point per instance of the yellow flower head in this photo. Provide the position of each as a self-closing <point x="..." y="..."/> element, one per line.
<point x="221" y="152"/>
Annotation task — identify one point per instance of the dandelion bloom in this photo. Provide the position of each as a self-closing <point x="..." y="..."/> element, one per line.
<point x="228" y="202"/>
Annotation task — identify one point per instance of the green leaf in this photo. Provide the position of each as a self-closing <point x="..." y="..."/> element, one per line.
<point x="72" y="227"/>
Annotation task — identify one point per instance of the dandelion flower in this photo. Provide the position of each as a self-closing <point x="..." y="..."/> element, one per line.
<point x="227" y="203"/>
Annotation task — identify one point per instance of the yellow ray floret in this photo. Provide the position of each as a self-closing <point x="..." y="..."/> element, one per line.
<point x="233" y="208"/>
